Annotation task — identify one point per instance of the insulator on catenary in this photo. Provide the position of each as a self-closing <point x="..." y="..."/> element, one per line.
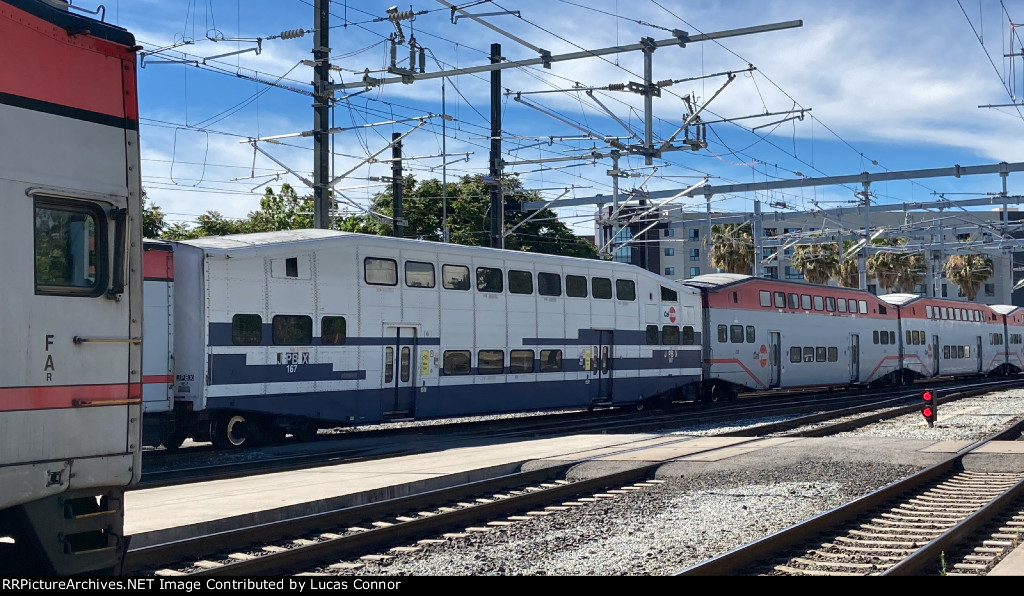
<point x="616" y="86"/>
<point x="292" y="33"/>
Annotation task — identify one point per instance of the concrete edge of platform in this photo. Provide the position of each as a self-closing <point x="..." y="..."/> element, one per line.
<point x="375" y="495"/>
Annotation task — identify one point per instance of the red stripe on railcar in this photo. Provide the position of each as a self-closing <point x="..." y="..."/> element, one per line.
<point x="158" y="265"/>
<point x="42" y="61"/>
<point x="68" y="396"/>
<point x="152" y="379"/>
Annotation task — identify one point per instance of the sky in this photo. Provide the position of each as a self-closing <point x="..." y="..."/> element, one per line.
<point x="859" y="86"/>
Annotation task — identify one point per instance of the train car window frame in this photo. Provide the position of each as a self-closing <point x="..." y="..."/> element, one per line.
<point x="62" y="232"/>
<point x="576" y="286"/>
<point x="520" y="282"/>
<point x="841" y="304"/>
<point x="457" y="362"/>
<point x="489" y="280"/>
<point x="805" y="301"/>
<point x="625" y="290"/>
<point x="862" y="306"/>
<point x="723" y="334"/>
<point x="796" y="354"/>
<point x="736" y="334"/>
<point x="853" y="306"/>
<point x="405" y="364"/>
<point x="833" y="354"/>
<point x="667" y="295"/>
<point x="928" y="311"/>
<point x="455" y="277"/>
<point x="601" y="288"/>
<point x="892" y="337"/>
<point x="688" y="335"/>
<point x="751" y="334"/>
<point x="389" y="365"/>
<point x="885" y="338"/>
<point x="333" y="330"/>
<point x="651" y="335"/>
<point x="830" y="303"/>
<point x="820" y="354"/>
<point x="670" y="335"/>
<point x="766" y="298"/>
<point x="380" y="272"/>
<point x="424" y="278"/>
<point x="961" y="351"/>
<point x="780" y="300"/>
<point x="549" y="284"/>
<point x="550" y="361"/>
<point x="819" y="303"/>
<point x="794" y="300"/>
<point x="808" y="354"/>
<point x="520" y="361"/>
<point x="246" y="330"/>
<point x="495" y="362"/>
<point x="945" y="352"/>
<point x="874" y="336"/>
<point x="292" y="330"/>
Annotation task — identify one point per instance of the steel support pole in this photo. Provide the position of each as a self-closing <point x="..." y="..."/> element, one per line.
<point x="497" y="204"/>
<point x="321" y="115"/>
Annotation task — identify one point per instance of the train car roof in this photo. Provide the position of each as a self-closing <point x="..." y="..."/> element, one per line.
<point x="716" y="280"/>
<point x="52" y="12"/>
<point x="899" y="299"/>
<point x="902" y="299"/>
<point x="1003" y="309"/>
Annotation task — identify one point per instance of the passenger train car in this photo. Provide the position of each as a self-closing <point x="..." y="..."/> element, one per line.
<point x="285" y="332"/>
<point x="70" y="302"/>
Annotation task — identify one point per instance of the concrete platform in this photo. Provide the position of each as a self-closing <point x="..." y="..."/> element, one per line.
<point x="158" y="515"/>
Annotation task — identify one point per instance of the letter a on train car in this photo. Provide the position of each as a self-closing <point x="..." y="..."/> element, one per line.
<point x="930" y="407"/>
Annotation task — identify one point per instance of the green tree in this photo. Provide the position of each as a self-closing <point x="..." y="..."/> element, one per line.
<point x="969" y="272"/>
<point x="152" y="218"/>
<point x="732" y="248"/>
<point x="818" y="263"/>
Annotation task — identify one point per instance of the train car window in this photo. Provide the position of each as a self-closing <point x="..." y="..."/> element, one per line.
<point x="820" y="354"/>
<point x="874" y="336"/>
<point x="794" y="301"/>
<point x="550" y="360"/>
<point x="380" y="272"/>
<point x="293" y="330"/>
<point x="389" y="365"/>
<point x="625" y="289"/>
<point x="960" y="351"/>
<point x="455" y="277"/>
<point x="456" y="362"/>
<point x="911" y="336"/>
<point x="928" y="311"/>
<point x="863" y="306"/>
<point x="404" y="364"/>
<point x="841" y="303"/>
<point x="805" y="301"/>
<point x="949" y="314"/>
<point x="549" y="284"/>
<point x="736" y="334"/>
<point x="819" y="303"/>
<point x="291" y="267"/>
<point x="246" y="330"/>
<point x="945" y="352"/>
<point x="780" y="300"/>
<point x="576" y="287"/>
<point x="419" y="275"/>
<point x="520" y="361"/>
<point x="490" y="362"/>
<point x="833" y="354"/>
<point x="333" y="331"/>
<point x="520" y="282"/>
<point x="853" y="306"/>
<point x="488" y="279"/>
<point x="766" y="298"/>
<point x="830" y="304"/>
<point x="885" y="338"/>
<point x="892" y="337"/>
<point x="967" y="351"/>
<point x="808" y="354"/>
<point x="688" y="335"/>
<point x="601" y="287"/>
<point x="667" y="295"/>
<point x="795" y="354"/>
<point x="652" y="335"/>
<point x="882" y="310"/>
<point x="735" y="298"/>
<point x="670" y="335"/>
<point x="70" y="248"/>
<point x="751" y="334"/>
<point x="723" y="334"/>
<point x="918" y="338"/>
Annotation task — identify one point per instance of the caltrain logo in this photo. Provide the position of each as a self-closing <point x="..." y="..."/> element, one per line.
<point x="762" y="355"/>
<point x="671" y="314"/>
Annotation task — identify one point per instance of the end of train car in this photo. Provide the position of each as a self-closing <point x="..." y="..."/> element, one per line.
<point x="70" y="408"/>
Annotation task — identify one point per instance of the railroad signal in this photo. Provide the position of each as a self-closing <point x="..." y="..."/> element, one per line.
<point x="930" y="408"/>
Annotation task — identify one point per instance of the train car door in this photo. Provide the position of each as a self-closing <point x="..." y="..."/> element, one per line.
<point x="774" y="373"/>
<point x="935" y="353"/>
<point x="981" y="364"/>
<point x="854" y="358"/>
<point x="602" y="364"/>
<point x="399" y="371"/>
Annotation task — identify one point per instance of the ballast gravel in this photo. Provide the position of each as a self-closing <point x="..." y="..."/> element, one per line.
<point x="681" y="521"/>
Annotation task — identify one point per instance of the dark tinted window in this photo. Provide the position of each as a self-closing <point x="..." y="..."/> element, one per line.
<point x="550" y="360"/>
<point x="455" y="277"/>
<point x="488" y="279"/>
<point x="668" y="295"/>
<point x="795" y="355"/>
<point x="575" y="286"/>
<point x="332" y="330"/>
<point x="625" y="289"/>
<point x="520" y="361"/>
<point x="736" y="334"/>
<point x="601" y="287"/>
<point x="490" y="362"/>
<point x="723" y="334"/>
<point x="456" y="362"/>
<point x="687" y="335"/>
<point x="670" y="335"/>
<point x="520" y="282"/>
<point x="292" y="330"/>
<point x="246" y="330"/>
<point x="652" y="335"/>
<point x="549" y="284"/>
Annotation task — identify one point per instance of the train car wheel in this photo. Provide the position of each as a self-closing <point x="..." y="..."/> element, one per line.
<point x="229" y="431"/>
<point x="172" y="438"/>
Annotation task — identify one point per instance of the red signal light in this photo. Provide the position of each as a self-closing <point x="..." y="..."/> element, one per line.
<point x="929" y="409"/>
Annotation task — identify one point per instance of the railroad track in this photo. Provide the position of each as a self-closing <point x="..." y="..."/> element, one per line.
<point x="906" y="528"/>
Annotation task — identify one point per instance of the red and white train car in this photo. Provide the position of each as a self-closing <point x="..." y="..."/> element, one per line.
<point x="948" y="338"/>
<point x="768" y="334"/>
<point x="1012" y="346"/>
<point x="70" y="302"/>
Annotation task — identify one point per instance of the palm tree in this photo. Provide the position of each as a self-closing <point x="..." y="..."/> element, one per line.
<point x="732" y="248"/>
<point x="896" y="270"/>
<point x="818" y="263"/>
<point x="969" y="272"/>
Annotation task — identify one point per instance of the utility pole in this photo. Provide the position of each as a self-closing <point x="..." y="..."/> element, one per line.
<point x="321" y="115"/>
<point x="497" y="202"/>
<point x="397" y="223"/>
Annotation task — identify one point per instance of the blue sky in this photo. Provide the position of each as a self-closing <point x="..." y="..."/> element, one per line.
<point x="885" y="85"/>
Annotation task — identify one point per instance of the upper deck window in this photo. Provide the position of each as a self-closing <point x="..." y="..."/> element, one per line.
<point x="668" y="295"/>
<point x="380" y="272"/>
<point x="455" y="277"/>
<point x="601" y="287"/>
<point x="625" y="289"/>
<point x="520" y="282"/>
<point x="419" y="275"/>
<point x="488" y="279"/>
<point x="549" y="284"/>
<point x="576" y="286"/>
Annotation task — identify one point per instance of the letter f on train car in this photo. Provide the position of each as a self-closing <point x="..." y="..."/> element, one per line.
<point x="929" y="409"/>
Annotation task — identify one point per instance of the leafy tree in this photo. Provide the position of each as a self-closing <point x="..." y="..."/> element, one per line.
<point x="818" y="263"/>
<point x="732" y="248"/>
<point x="849" y="273"/>
<point x="969" y="272"/>
<point x="152" y="218"/>
<point x="897" y="270"/>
